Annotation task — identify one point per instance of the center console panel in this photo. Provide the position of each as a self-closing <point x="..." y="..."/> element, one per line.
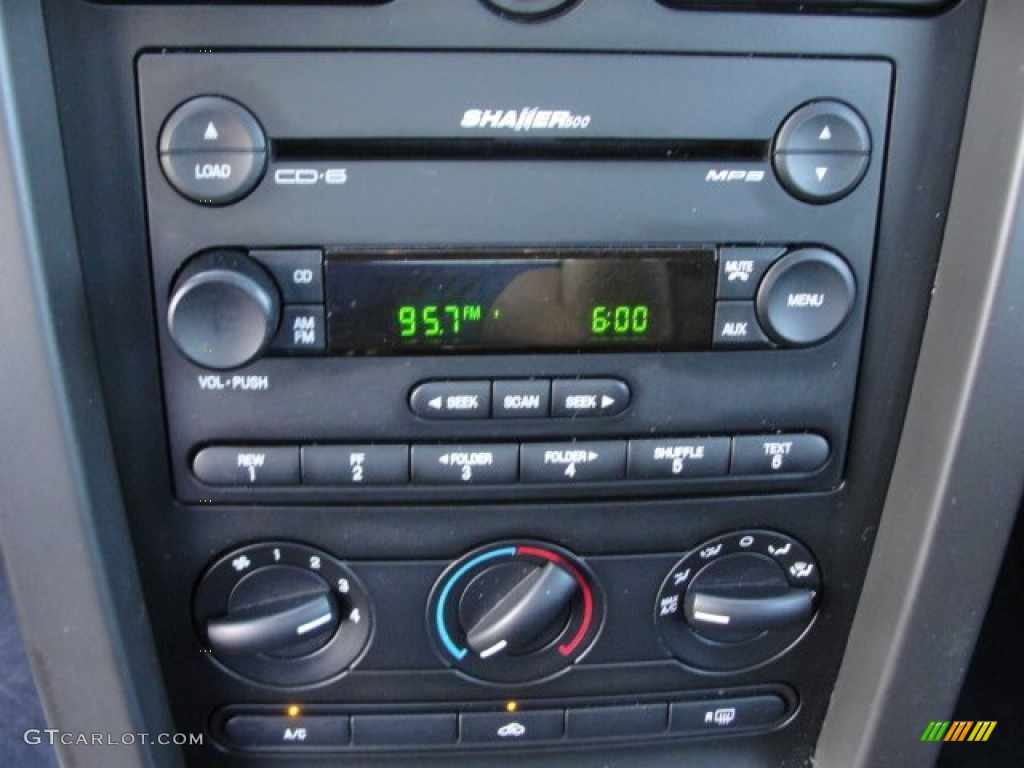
<point x="486" y="382"/>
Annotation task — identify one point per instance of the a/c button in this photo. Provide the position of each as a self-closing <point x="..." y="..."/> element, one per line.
<point x="261" y="731"/>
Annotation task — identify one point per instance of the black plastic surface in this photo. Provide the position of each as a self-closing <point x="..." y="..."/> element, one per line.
<point x="177" y="539"/>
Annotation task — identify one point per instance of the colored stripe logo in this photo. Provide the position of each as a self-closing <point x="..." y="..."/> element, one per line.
<point x="959" y="730"/>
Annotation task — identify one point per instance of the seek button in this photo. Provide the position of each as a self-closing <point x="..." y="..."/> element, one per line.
<point x="452" y="400"/>
<point x="588" y="397"/>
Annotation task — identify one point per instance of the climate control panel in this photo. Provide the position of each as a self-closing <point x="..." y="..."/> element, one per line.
<point x="509" y="616"/>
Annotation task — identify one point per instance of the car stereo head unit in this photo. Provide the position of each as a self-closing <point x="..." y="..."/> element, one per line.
<point x="363" y="261"/>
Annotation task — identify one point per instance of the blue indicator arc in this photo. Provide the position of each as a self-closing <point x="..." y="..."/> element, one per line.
<point x="442" y="631"/>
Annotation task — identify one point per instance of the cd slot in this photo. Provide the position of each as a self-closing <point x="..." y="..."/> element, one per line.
<point x="486" y="148"/>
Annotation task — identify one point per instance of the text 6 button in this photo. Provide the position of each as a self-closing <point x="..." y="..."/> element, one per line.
<point x="778" y="454"/>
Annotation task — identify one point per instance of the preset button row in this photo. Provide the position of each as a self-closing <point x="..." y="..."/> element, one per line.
<point x="718" y="716"/>
<point x="569" y="462"/>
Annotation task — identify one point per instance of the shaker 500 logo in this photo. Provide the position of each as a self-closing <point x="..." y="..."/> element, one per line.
<point x="526" y="119"/>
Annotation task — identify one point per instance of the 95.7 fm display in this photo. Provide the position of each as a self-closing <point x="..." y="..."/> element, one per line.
<point x="507" y="301"/>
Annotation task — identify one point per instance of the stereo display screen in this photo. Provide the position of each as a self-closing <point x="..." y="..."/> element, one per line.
<point x="408" y="302"/>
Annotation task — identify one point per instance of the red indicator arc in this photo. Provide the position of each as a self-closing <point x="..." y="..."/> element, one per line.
<point x="588" y="596"/>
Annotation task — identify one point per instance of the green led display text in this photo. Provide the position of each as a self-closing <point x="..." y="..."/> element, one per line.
<point x="623" y="320"/>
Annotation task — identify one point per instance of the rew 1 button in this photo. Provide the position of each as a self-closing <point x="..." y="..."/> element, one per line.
<point x="247" y="465"/>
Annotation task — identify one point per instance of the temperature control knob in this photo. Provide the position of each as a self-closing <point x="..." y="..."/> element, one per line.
<point x="738" y="600"/>
<point x="283" y="614"/>
<point x="224" y="310"/>
<point x="515" y="612"/>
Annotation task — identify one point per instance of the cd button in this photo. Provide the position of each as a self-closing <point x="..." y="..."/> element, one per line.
<point x="301" y="331"/>
<point x="247" y="465"/>
<point x="298" y="273"/>
<point x="678" y="458"/>
<point x="574" y="398"/>
<point x="522" y="399"/>
<point x="726" y="714"/>
<point x="820" y="177"/>
<point x="355" y="464"/>
<point x="778" y="454"/>
<point x="573" y="462"/>
<point x="216" y="178"/>
<point x="260" y="731"/>
<point x="501" y="727"/>
<point x="452" y="400"/>
<point x="465" y="464"/>
<point x="736" y="326"/>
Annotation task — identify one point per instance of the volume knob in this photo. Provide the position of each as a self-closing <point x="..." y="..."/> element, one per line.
<point x="224" y="310"/>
